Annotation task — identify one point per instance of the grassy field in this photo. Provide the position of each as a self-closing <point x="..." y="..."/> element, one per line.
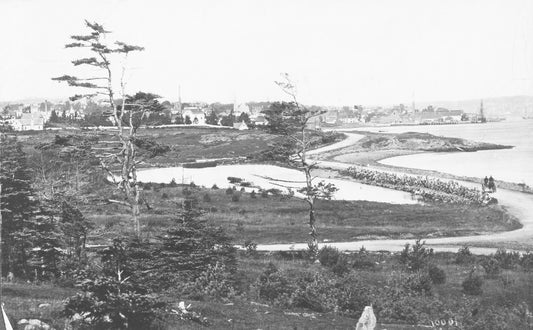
<point x="278" y="219"/>
<point x="188" y="143"/>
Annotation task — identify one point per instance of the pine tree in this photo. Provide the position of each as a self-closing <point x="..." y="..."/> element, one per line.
<point x="212" y="118"/>
<point x="45" y="237"/>
<point x="75" y="228"/>
<point x="17" y="205"/>
<point x="186" y="250"/>
<point x="54" y="118"/>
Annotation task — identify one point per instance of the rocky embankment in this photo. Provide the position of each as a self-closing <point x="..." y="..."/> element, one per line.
<point x="413" y="141"/>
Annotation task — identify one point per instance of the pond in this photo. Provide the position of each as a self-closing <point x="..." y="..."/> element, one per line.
<point x="270" y="176"/>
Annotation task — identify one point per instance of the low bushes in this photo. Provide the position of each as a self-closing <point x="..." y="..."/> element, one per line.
<point x="437" y="275"/>
<point x="417" y="256"/>
<point x="333" y="259"/>
<point x="491" y="266"/>
<point x="464" y="256"/>
<point x="347" y="295"/>
<point x="328" y="256"/>
<point x="472" y="285"/>
<point x="507" y="260"/>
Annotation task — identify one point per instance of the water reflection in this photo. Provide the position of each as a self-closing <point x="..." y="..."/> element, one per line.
<point x="260" y="176"/>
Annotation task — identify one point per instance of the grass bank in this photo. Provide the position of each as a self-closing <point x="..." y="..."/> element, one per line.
<point x="279" y="219"/>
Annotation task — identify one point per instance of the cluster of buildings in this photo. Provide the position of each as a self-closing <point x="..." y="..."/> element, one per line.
<point x="198" y="113"/>
<point x="27" y="117"/>
<point x="23" y="117"/>
<point x="398" y="115"/>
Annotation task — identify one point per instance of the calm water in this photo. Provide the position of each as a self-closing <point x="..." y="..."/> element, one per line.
<point x="513" y="165"/>
<point x="259" y="176"/>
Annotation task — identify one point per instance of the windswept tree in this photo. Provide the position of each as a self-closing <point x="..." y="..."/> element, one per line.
<point x="291" y="120"/>
<point x="118" y="157"/>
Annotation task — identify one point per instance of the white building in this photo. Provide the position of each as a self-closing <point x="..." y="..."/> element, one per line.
<point x="196" y="115"/>
<point x="240" y="126"/>
<point x="28" y="122"/>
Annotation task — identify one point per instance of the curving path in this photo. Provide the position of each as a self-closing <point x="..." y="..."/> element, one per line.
<point x="518" y="204"/>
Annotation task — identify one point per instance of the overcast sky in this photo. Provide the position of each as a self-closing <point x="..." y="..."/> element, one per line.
<point x="339" y="52"/>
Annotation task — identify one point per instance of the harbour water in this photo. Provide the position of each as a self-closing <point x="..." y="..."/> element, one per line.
<point x="512" y="165"/>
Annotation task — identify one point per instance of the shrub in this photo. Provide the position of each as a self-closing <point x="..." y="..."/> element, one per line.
<point x="186" y="192"/>
<point x="214" y="282"/>
<point x="214" y="186"/>
<point x="274" y="287"/>
<point x="315" y="292"/>
<point x="115" y="298"/>
<point x="509" y="318"/>
<point x="243" y="190"/>
<point x="250" y="246"/>
<point x="235" y="197"/>
<point x="192" y="184"/>
<point x="491" y="266"/>
<point x="229" y="191"/>
<point x="527" y="261"/>
<point x="418" y="284"/>
<point x="472" y="285"/>
<point x="354" y="295"/>
<point x="274" y="191"/>
<point x="341" y="266"/>
<point x="463" y="256"/>
<point x="437" y="275"/>
<point x="329" y="256"/>
<point x="507" y="260"/>
<point x="253" y="195"/>
<point x="173" y="183"/>
<point x="363" y="260"/>
<point x="112" y="304"/>
<point x="264" y="193"/>
<point x="207" y="198"/>
<point x="164" y="195"/>
<point x="417" y="256"/>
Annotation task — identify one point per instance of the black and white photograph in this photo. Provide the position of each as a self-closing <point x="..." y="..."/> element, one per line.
<point x="266" y="164"/>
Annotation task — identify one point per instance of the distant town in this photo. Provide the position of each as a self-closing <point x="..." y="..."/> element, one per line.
<point x="88" y="113"/>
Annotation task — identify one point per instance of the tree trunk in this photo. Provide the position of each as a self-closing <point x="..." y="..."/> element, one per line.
<point x="313" y="239"/>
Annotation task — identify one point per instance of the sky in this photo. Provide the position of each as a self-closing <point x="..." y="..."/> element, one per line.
<point x="338" y="52"/>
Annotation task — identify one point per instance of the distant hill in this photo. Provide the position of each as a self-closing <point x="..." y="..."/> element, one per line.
<point x="505" y="106"/>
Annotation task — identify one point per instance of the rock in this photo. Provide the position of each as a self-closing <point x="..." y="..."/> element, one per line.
<point x="44" y="305"/>
<point x="34" y="324"/>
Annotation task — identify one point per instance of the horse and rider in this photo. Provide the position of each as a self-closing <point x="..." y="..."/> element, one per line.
<point x="488" y="184"/>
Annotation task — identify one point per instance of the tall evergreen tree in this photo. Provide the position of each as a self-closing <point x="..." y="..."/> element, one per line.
<point x="183" y="252"/>
<point x="17" y="205"/>
<point x="212" y="118"/>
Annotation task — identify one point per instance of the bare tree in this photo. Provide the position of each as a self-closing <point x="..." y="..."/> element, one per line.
<point x="119" y="157"/>
<point x="296" y="117"/>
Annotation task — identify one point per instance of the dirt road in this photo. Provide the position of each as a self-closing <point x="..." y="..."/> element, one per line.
<point x="518" y="204"/>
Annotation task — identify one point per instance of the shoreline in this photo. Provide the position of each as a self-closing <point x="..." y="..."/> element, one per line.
<point x="373" y="162"/>
<point x="515" y="202"/>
